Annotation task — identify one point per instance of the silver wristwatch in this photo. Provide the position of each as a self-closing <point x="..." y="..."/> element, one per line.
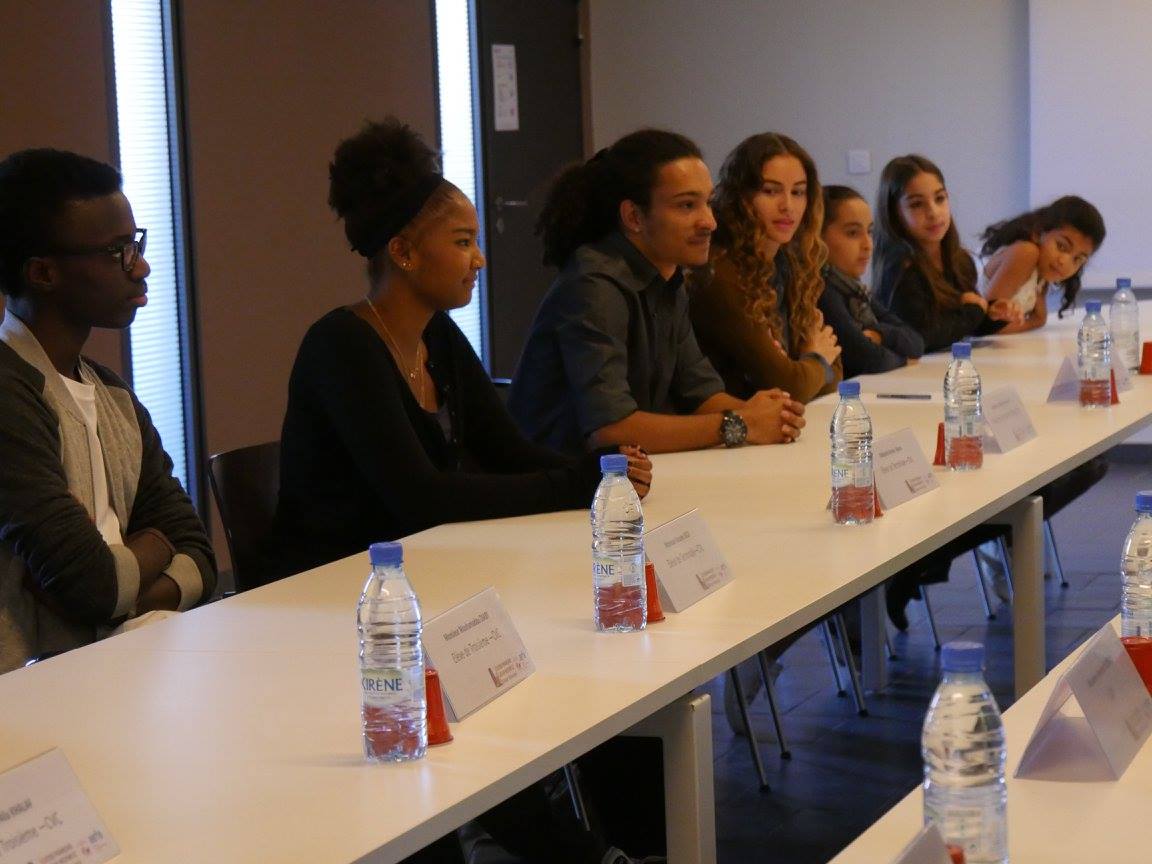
<point x="733" y="429"/>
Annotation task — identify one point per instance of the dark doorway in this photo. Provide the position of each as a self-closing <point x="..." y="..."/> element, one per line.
<point x="543" y="36"/>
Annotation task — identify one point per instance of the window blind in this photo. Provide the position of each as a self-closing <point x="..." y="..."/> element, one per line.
<point x="456" y="73"/>
<point x="143" y="126"/>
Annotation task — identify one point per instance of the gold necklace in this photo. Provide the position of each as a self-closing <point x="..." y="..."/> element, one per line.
<point x="391" y="341"/>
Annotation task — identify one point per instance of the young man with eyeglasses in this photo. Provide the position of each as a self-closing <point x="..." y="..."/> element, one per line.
<point x="94" y="529"/>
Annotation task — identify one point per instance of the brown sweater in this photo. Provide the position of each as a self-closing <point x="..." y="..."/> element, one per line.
<point x="742" y="349"/>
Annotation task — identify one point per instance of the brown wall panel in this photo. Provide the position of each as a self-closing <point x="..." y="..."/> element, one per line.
<point x="55" y="94"/>
<point x="271" y="86"/>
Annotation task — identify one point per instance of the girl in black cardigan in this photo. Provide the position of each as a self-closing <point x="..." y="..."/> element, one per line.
<point x="920" y="271"/>
<point x="392" y="425"/>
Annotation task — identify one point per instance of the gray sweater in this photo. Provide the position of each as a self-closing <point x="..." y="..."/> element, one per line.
<point x="61" y="585"/>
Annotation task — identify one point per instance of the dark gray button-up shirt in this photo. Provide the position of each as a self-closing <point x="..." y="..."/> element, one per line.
<point x="611" y="337"/>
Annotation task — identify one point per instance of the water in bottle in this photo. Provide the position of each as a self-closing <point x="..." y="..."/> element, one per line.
<point x="853" y="490"/>
<point x="620" y="602"/>
<point x="1136" y="572"/>
<point x="1094" y="358"/>
<point x="963" y="414"/>
<point x="394" y="707"/>
<point x="963" y="749"/>
<point x="1124" y="323"/>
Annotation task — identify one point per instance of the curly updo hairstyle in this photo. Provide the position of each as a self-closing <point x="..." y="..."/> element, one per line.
<point x="382" y="181"/>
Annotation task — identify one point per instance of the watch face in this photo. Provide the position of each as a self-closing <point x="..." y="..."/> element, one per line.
<point x="733" y="429"/>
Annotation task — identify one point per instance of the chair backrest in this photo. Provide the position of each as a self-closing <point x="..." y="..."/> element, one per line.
<point x="245" y="484"/>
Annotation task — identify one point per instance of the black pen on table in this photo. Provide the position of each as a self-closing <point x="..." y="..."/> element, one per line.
<point x="919" y="396"/>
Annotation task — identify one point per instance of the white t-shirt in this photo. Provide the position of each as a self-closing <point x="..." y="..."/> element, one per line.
<point x="84" y="394"/>
<point x="1026" y="296"/>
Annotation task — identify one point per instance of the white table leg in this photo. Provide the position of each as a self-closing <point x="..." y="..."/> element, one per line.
<point x="1026" y="518"/>
<point x="872" y="624"/>
<point x="685" y="727"/>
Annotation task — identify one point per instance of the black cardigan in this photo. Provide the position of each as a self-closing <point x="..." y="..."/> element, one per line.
<point x="361" y="461"/>
<point x="907" y="293"/>
<point x="859" y="354"/>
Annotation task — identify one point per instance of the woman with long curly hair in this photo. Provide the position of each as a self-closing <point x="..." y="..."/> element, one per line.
<point x="755" y="313"/>
<point x="919" y="269"/>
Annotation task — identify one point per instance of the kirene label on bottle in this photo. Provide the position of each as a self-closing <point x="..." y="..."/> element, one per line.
<point x="381" y="688"/>
<point x="628" y="571"/>
<point x="846" y="474"/>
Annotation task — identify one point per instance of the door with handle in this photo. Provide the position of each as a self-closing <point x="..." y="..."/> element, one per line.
<point x="500" y="203"/>
<point x="531" y="127"/>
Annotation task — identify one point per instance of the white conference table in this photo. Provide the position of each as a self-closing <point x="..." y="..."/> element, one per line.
<point x="231" y="733"/>
<point x="1048" y="821"/>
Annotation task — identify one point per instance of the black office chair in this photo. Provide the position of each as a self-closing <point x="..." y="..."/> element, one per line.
<point x="245" y="483"/>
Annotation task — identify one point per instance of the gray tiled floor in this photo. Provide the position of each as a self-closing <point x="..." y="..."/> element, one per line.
<point x="845" y="770"/>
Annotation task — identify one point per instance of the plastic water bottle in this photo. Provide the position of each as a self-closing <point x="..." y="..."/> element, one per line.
<point x="963" y="414"/>
<point x="388" y="619"/>
<point x="621" y="603"/>
<point x="963" y="749"/>
<point x="1124" y="321"/>
<point x="1136" y="572"/>
<point x="853" y="490"/>
<point x="1094" y="358"/>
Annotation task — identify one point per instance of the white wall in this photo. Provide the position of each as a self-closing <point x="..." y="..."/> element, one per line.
<point x="1092" y="122"/>
<point x="947" y="78"/>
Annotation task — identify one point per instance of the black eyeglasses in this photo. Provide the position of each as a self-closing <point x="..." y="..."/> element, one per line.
<point x="128" y="252"/>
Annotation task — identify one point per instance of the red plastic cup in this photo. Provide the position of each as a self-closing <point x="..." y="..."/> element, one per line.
<point x="655" y="611"/>
<point x="1146" y="359"/>
<point x="438" y="731"/>
<point x="939" y="458"/>
<point x="1140" y="650"/>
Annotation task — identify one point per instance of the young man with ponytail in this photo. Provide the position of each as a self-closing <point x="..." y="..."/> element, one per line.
<point x="611" y="358"/>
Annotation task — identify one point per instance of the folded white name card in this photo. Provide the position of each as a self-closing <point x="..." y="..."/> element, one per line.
<point x="45" y="815"/>
<point x="1006" y="421"/>
<point x="900" y="468"/>
<point x="1116" y="721"/>
<point x="477" y="651"/>
<point x="927" y="847"/>
<point x="1066" y="387"/>
<point x="689" y="565"/>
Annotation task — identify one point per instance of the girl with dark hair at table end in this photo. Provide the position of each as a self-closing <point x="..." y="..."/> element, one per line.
<point x="1025" y="255"/>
